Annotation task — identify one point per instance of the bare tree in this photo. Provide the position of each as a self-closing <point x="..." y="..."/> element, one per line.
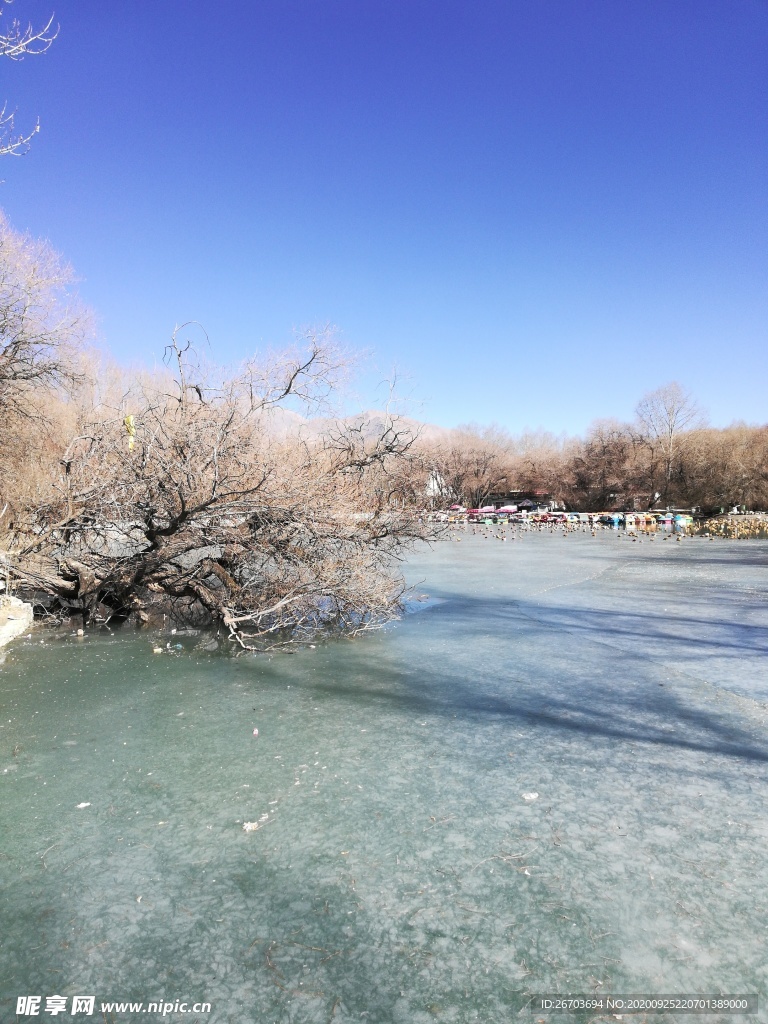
<point x="664" y="415"/>
<point x="15" y="44"/>
<point x="180" y="501"/>
<point x="727" y="467"/>
<point x="600" y="466"/>
<point x="538" y="462"/>
<point x="468" y="464"/>
<point x="42" y="323"/>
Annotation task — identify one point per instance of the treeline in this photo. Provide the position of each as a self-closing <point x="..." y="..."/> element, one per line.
<point x="667" y="457"/>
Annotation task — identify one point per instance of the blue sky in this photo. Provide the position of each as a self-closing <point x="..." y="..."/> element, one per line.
<point x="535" y="211"/>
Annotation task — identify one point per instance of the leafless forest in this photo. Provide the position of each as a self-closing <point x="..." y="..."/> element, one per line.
<point x="236" y="496"/>
<point x="667" y="456"/>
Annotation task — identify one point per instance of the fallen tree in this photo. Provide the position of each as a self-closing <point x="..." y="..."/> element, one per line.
<point x="180" y="500"/>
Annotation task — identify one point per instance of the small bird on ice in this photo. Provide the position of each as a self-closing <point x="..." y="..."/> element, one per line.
<point x="256" y="733"/>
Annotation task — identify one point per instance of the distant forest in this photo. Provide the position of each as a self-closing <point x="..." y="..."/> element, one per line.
<point x="667" y="457"/>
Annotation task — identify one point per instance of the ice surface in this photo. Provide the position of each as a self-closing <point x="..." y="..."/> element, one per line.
<point x="398" y="871"/>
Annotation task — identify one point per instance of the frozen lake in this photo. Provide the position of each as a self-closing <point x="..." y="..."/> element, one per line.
<point x="399" y="873"/>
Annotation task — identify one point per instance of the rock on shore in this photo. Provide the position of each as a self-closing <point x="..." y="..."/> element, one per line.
<point x="15" y="618"/>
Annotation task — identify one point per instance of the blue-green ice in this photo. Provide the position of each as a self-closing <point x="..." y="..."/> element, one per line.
<point x="548" y="776"/>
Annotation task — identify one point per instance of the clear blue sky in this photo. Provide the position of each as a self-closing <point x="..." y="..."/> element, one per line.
<point x="535" y="210"/>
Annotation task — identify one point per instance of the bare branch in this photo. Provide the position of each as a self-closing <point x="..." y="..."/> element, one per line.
<point x="15" y="44"/>
<point x="12" y="144"/>
<point x="19" y="42"/>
